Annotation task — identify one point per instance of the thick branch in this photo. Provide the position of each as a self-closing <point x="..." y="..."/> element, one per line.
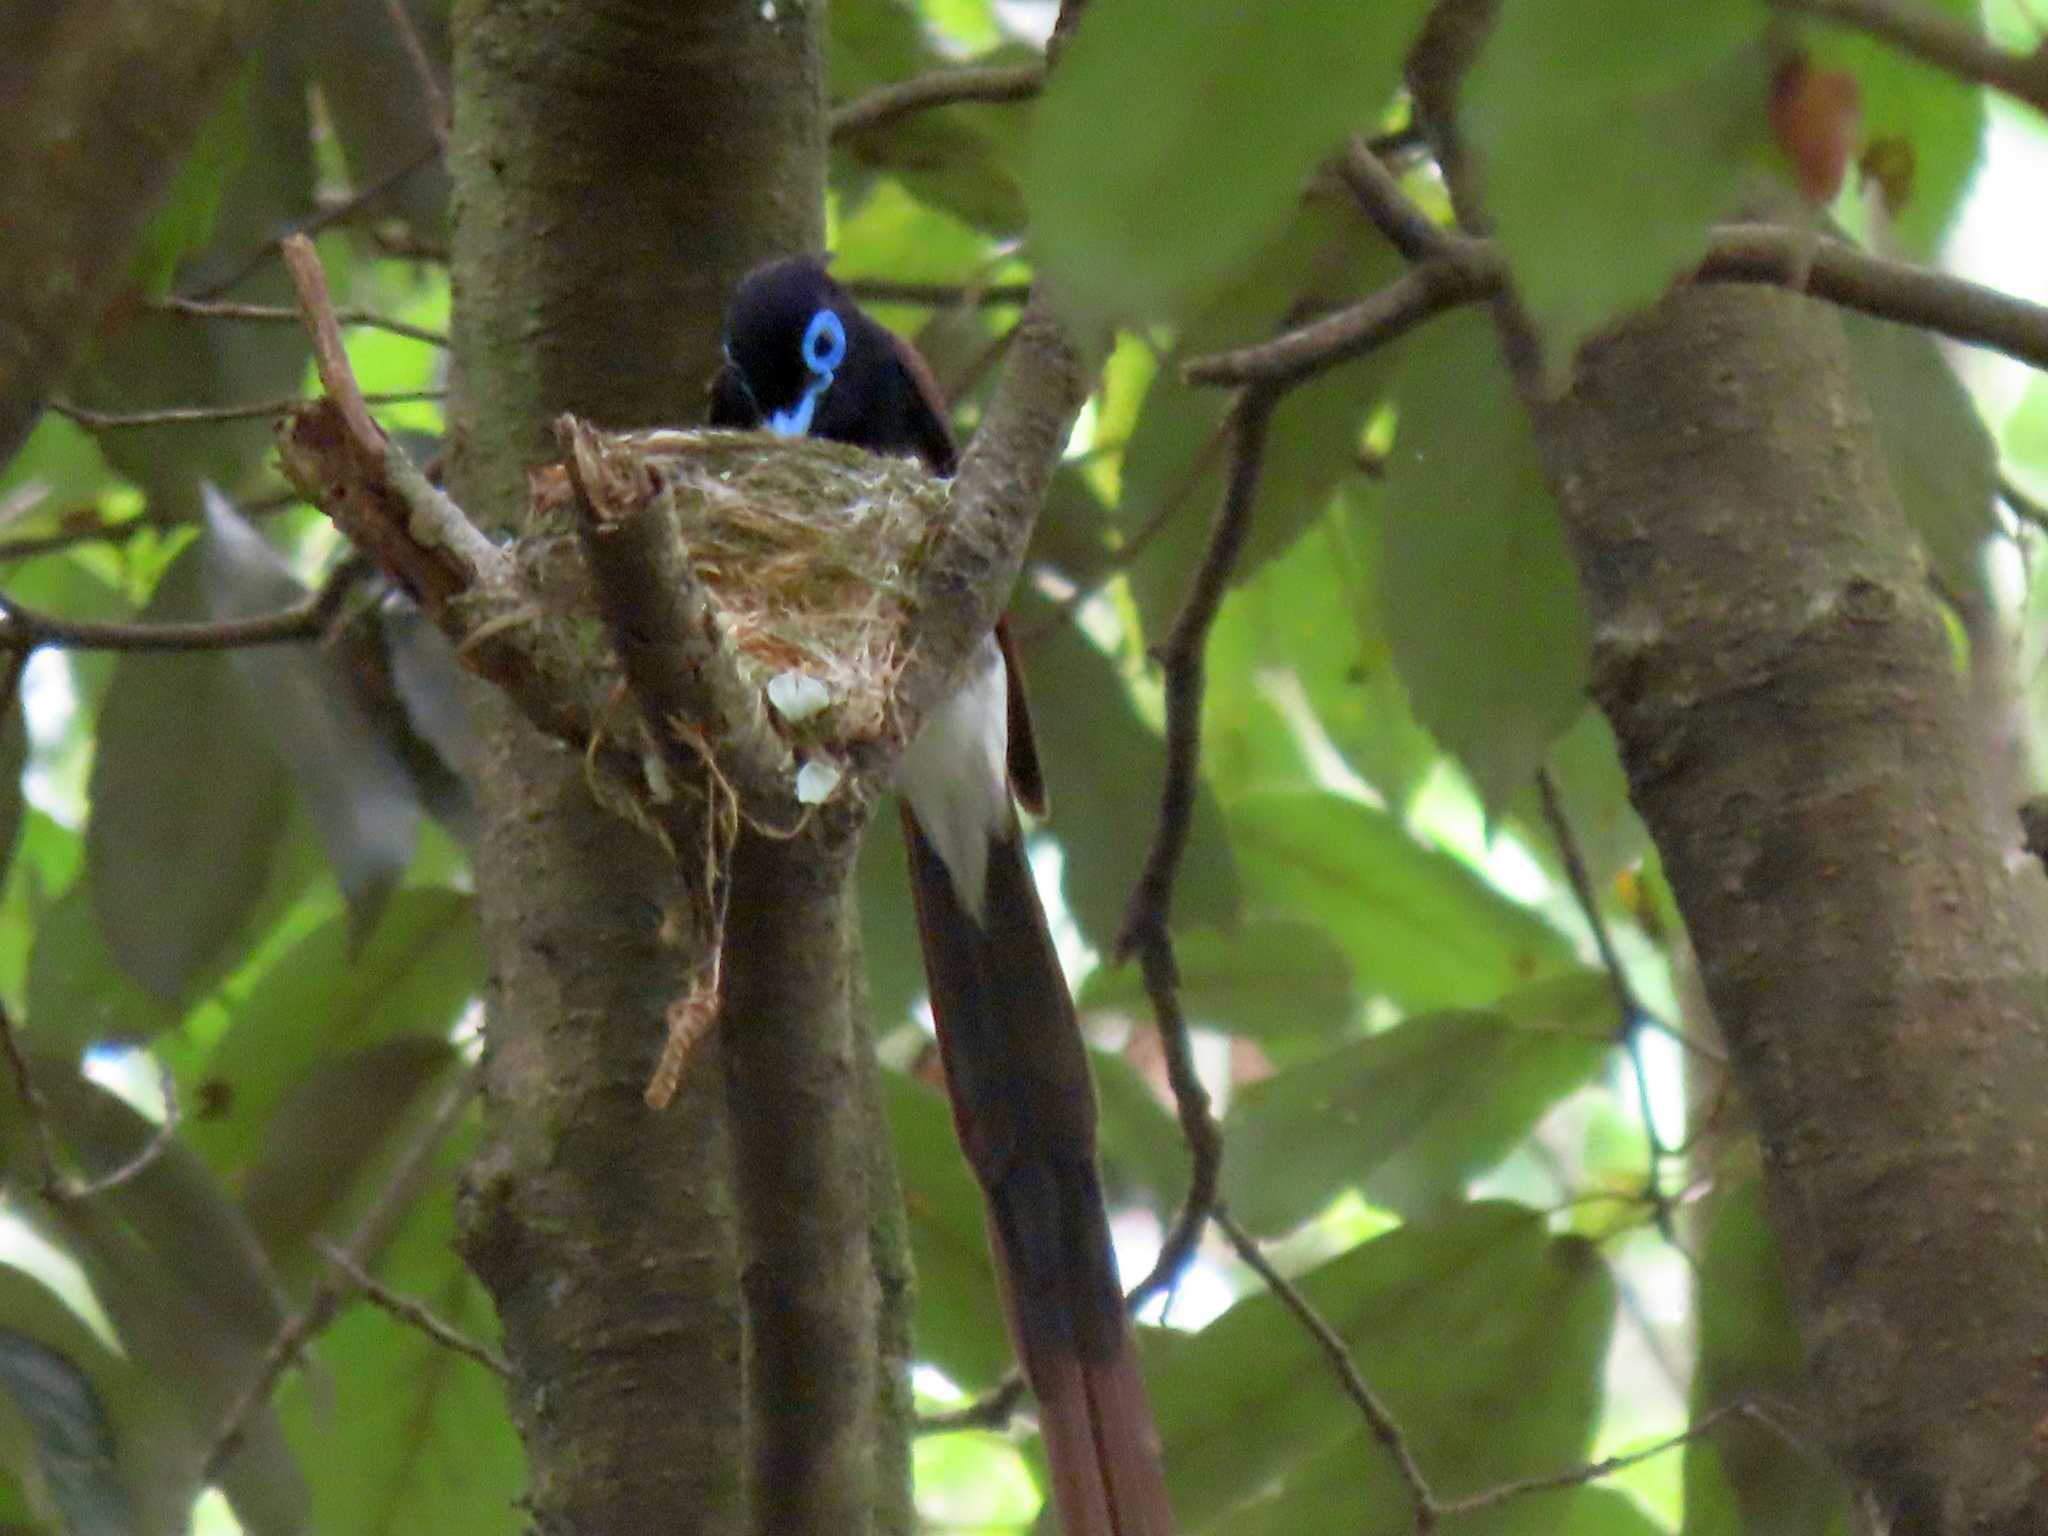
<point x="966" y="578"/>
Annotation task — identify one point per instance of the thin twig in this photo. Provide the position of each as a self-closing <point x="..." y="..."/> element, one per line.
<point x="1629" y="1009"/>
<point x="1578" y="1477"/>
<point x="27" y="628"/>
<point x="320" y="219"/>
<point x="1408" y="229"/>
<point x="993" y="1410"/>
<point x="423" y="68"/>
<point x="2026" y="508"/>
<point x="371" y="1232"/>
<point x="182" y="415"/>
<point x="1946" y="41"/>
<point x="282" y="314"/>
<point x="1377" y="1416"/>
<point x="1474" y="270"/>
<point x="941" y="88"/>
<point x="415" y="1314"/>
<point x="145" y="1156"/>
<point x="1147" y="918"/>
<point x="33" y="1105"/>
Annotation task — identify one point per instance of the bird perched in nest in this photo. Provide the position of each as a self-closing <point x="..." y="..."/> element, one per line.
<point x="802" y="359"/>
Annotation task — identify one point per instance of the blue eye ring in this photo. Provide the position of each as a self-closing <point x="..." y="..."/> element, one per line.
<point x="824" y="342"/>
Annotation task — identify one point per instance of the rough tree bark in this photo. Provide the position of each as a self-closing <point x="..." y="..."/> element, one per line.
<point x="102" y="99"/>
<point x="1802" y="749"/>
<point x="694" y="1350"/>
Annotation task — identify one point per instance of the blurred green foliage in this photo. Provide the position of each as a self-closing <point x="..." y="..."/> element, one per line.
<point x="247" y="873"/>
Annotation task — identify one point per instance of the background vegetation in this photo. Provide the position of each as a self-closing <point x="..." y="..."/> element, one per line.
<point x="1490" y="1206"/>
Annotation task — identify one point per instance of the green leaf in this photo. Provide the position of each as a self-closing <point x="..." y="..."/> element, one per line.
<point x="1103" y="767"/>
<point x="1943" y="462"/>
<point x="1611" y="135"/>
<point x="1419" y="926"/>
<point x="1312" y="619"/>
<point x="1412" y="1114"/>
<point x="401" y="1435"/>
<point x="13" y="759"/>
<point x="1485" y="1337"/>
<point x="1280" y="982"/>
<point x="184" y="221"/>
<point x="181" y="1276"/>
<point x="101" y="1442"/>
<point x="888" y="927"/>
<point x="327" y="1133"/>
<point x="1480" y="599"/>
<point x="1175" y="136"/>
<point x="1144" y="1158"/>
<point x="187" y="803"/>
<point x="77" y="994"/>
<point x="1915" y="113"/>
<point x="343" y="762"/>
<point x="958" y="1325"/>
<point x="1746" y="1479"/>
<point x="1592" y="788"/>
<point x="325" y="996"/>
<point x="1175" y="462"/>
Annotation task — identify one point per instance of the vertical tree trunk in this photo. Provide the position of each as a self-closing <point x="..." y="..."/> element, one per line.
<point x="690" y="1293"/>
<point x="1798" y="741"/>
<point x="1804" y="752"/>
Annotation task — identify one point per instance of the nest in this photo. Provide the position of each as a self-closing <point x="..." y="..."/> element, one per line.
<point x="809" y="558"/>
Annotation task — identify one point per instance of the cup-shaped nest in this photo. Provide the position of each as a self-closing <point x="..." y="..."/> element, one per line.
<point x="809" y="555"/>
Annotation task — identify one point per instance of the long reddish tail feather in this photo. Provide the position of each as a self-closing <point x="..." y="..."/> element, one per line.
<point x="1024" y="1106"/>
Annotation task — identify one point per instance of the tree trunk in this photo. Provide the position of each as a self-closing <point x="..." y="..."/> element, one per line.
<point x="1799" y="742"/>
<point x="718" y="1287"/>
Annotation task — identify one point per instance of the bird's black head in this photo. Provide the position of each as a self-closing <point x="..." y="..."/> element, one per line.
<point x="787" y="331"/>
<point x="801" y="359"/>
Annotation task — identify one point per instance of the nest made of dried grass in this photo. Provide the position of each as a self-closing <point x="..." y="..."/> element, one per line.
<point x="809" y="557"/>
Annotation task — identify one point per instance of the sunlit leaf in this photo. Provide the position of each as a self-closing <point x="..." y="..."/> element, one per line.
<point x="1413" y="1113"/>
<point x="1480" y="598"/>
<point x="1611" y="135"/>
<point x="1149" y="183"/>
<point x="327" y="995"/>
<point x="1273" y="980"/>
<point x="1916" y="117"/>
<point x="1175" y="465"/>
<point x="1419" y="926"/>
<point x="1312" y="621"/>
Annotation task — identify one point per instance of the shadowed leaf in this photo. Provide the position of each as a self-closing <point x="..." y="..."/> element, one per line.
<point x="1480" y="599"/>
<point x="1147" y="187"/>
<point x="1414" y="1113"/>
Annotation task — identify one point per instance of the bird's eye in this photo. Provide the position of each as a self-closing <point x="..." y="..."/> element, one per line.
<point x="825" y="342"/>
